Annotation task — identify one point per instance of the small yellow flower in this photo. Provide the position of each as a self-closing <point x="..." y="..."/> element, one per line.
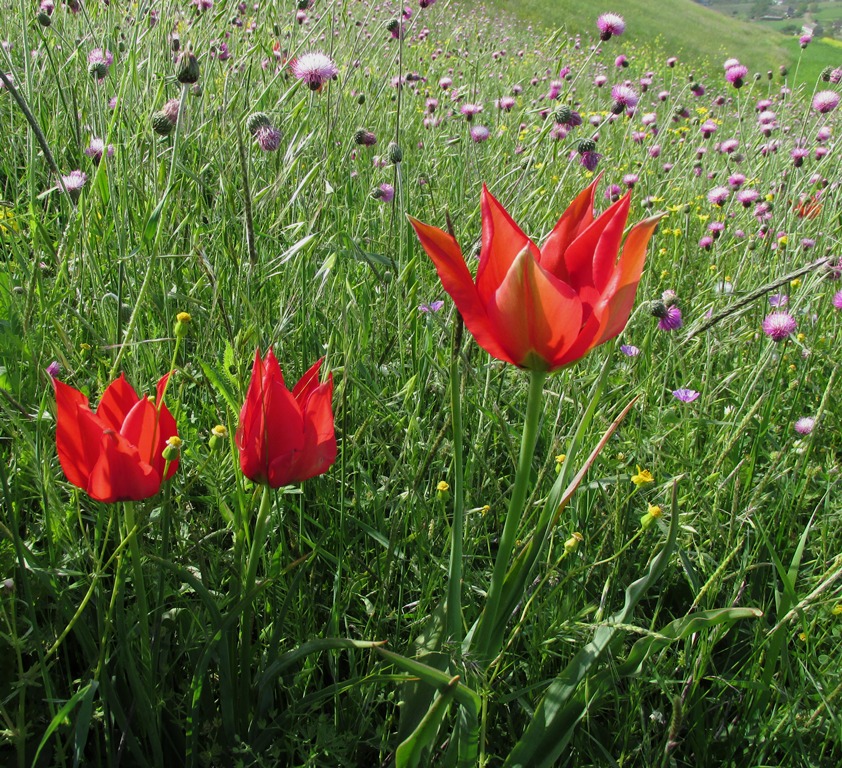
<point x="485" y="510"/>
<point x="443" y="486"/>
<point x="560" y="458"/>
<point x="174" y="441"/>
<point x="801" y="337"/>
<point x="643" y="477"/>
<point x="665" y="273"/>
<point x="802" y="636"/>
<point x="796" y="282"/>
<point x="654" y="510"/>
<point x="573" y="542"/>
<point x="712" y="267"/>
<point x="783" y="240"/>
<point x="220" y="431"/>
<point x="218" y="435"/>
<point x="836" y="610"/>
<point x="770" y="197"/>
<point x="170" y="453"/>
<point x="183" y="317"/>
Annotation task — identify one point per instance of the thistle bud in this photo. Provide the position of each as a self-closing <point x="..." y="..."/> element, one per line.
<point x="98" y="69"/>
<point x="395" y="154"/>
<point x="825" y="75"/>
<point x="161" y="124"/>
<point x="187" y="68"/>
<point x="658" y="308"/>
<point x="585" y="146"/>
<point x="256" y="121"/>
<point x="361" y="99"/>
<point x="364" y="137"/>
<point x="44" y="19"/>
<point x="393" y="25"/>
<point x="563" y="115"/>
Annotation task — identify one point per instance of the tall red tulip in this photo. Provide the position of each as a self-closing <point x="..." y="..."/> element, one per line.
<point x="544" y="308"/>
<point x="285" y="437"/>
<point x="115" y="454"/>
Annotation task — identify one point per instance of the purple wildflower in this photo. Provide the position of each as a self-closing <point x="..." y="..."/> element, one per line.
<point x="779" y="325"/>
<point x="74" y="181"/>
<point x="315" y="69"/>
<point x="837" y="300"/>
<point x="610" y="24"/>
<point x="825" y="101"/>
<point x="804" y="425"/>
<point x="479" y="133"/>
<point x="685" y="395"/>
<point x="671" y="320"/>
<point x="629" y="350"/>
<point x="778" y="300"/>
<point x="53" y="369"/>
<point x="96" y="149"/>
<point x="736" y="75"/>
<point x="268" y="138"/>
<point x="433" y="306"/>
<point x="718" y="195"/>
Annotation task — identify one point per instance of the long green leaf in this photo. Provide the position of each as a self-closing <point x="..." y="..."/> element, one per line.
<point x="62" y="715"/>
<point x="558" y="712"/>
<point x="411" y="750"/>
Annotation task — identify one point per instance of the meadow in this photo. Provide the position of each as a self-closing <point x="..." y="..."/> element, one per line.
<point x="585" y="513"/>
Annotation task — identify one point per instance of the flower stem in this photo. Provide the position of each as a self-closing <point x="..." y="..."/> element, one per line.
<point x="257" y="544"/>
<point x="485" y="644"/>
<point x="139" y="586"/>
<point x="454" y="577"/>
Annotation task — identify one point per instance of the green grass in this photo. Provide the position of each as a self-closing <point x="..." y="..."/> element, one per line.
<point x="169" y="634"/>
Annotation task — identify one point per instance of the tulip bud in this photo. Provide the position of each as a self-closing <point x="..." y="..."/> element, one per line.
<point x="187" y="68"/>
<point x="182" y="320"/>
<point x="161" y="124"/>
<point x="173" y="449"/>
<point x="219" y="434"/>
<point x="256" y="121"/>
<point x="395" y="153"/>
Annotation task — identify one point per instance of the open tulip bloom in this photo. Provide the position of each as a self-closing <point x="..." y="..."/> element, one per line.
<point x="285" y="437"/>
<point x="543" y="309"/>
<point x="117" y="453"/>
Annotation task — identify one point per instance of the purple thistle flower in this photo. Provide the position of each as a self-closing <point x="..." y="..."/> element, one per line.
<point x="747" y="197"/>
<point x="385" y="193"/>
<point x="718" y="195"/>
<point x="590" y="160"/>
<point x="96" y="149"/>
<point x="804" y="425"/>
<point x="314" y="69"/>
<point x="837" y="300"/>
<point x="74" y="181"/>
<point x="610" y="24"/>
<point x="798" y="155"/>
<point x="624" y="97"/>
<point x="433" y="306"/>
<point x="736" y="75"/>
<point x="268" y="138"/>
<point x="479" y="133"/>
<point x="778" y="300"/>
<point x="53" y="369"/>
<point x="671" y="320"/>
<point x="470" y="110"/>
<point x="686" y="395"/>
<point x="629" y="350"/>
<point x="825" y="101"/>
<point x="779" y="325"/>
<point x="99" y="62"/>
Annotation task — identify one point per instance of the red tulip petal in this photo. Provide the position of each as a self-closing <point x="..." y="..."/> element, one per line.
<point x="608" y="247"/>
<point x="119" y="474"/>
<point x="502" y="241"/>
<point x="78" y="433"/>
<point x="457" y="281"/>
<point x="117" y="400"/>
<point x="272" y="369"/>
<point x="308" y="383"/>
<point x="620" y="290"/>
<point x="148" y="429"/>
<point x="575" y="220"/>
<point x="586" y="255"/>
<point x="538" y="315"/>
<point x="318" y="452"/>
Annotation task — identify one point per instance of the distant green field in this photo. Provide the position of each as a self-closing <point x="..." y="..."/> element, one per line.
<point x="681" y="28"/>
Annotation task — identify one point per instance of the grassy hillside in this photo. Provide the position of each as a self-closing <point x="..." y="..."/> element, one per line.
<point x="679" y="28"/>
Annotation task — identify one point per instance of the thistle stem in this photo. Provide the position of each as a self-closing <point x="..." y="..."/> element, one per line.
<point x="454" y="579"/>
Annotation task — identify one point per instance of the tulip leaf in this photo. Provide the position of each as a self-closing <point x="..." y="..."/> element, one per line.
<point x="562" y="707"/>
<point x="411" y="750"/>
<point x="435" y="677"/>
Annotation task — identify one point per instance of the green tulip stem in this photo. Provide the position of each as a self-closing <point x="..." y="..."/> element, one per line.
<point x="454" y="580"/>
<point x="139" y="585"/>
<point x="506" y="546"/>
<point x="258" y="542"/>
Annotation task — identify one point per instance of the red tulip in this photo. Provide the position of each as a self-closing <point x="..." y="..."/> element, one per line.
<point x="544" y="308"/>
<point x="115" y="454"/>
<point x="285" y="437"/>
